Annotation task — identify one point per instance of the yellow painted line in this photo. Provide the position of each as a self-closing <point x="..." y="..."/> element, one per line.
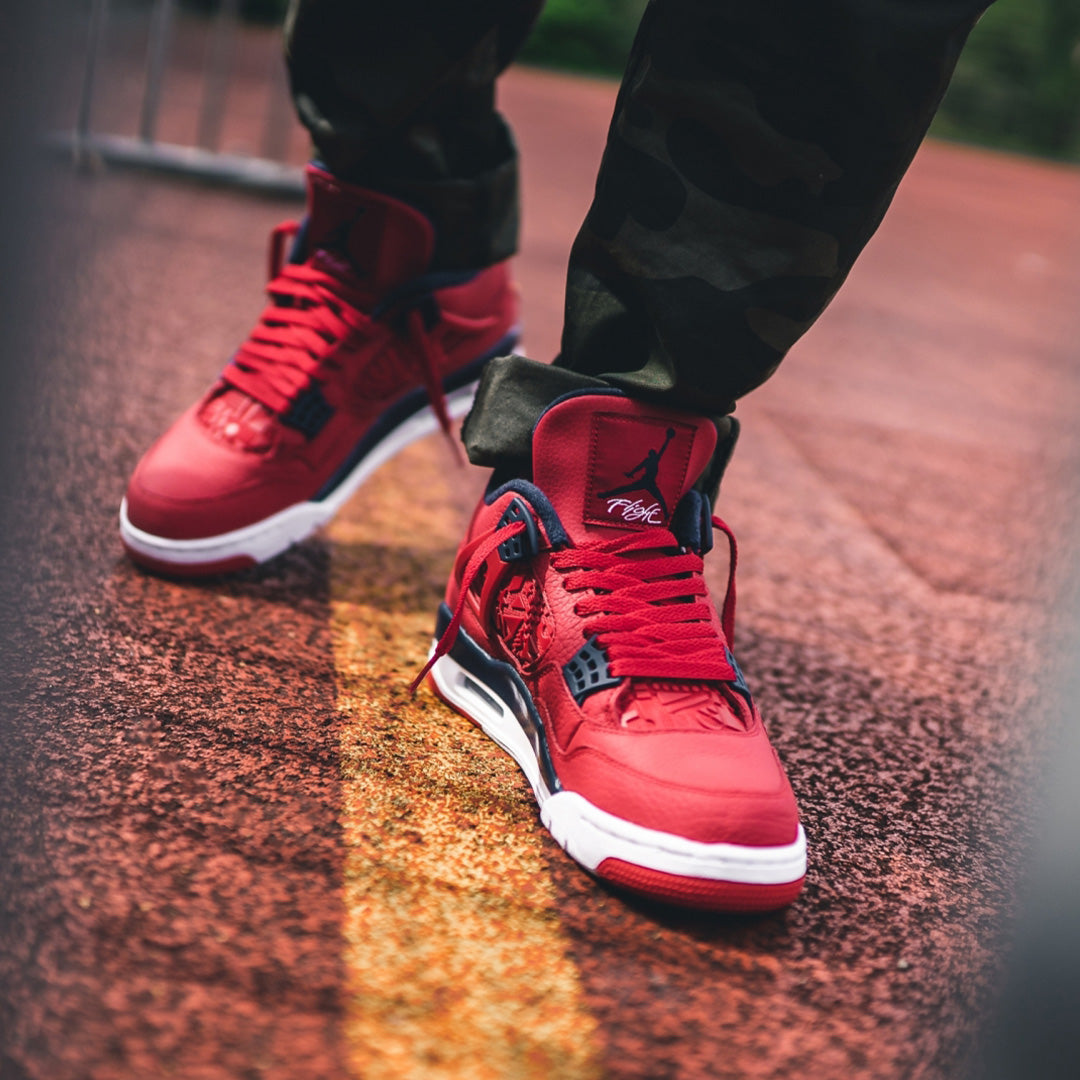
<point x="458" y="966"/>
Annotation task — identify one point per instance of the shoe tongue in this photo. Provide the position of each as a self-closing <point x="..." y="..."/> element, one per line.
<point x="612" y="464"/>
<point x="376" y="240"/>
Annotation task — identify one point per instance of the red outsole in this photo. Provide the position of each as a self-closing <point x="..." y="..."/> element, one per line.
<point x="733" y="897"/>
<point x="190" y="570"/>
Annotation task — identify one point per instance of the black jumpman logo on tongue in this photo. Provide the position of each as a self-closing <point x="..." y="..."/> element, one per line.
<point x="649" y="468"/>
<point x="337" y="241"/>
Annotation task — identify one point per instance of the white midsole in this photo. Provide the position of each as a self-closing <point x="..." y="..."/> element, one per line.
<point x="274" y="534"/>
<point x="591" y="835"/>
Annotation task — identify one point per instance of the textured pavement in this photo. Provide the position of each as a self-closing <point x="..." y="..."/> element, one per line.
<point x="234" y="847"/>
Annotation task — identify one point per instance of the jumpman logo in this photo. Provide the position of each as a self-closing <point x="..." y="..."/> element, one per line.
<point x="337" y="241"/>
<point x="649" y="468"/>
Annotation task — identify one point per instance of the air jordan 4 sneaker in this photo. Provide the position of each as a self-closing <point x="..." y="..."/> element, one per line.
<point x="578" y="632"/>
<point x="360" y="351"/>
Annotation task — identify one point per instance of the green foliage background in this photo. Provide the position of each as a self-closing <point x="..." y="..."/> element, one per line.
<point x="585" y="35"/>
<point x="1017" y="84"/>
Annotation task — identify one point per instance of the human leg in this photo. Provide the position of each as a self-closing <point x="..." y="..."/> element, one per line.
<point x="753" y="152"/>
<point x="754" y="149"/>
<point x="401" y="98"/>
<point x="393" y="296"/>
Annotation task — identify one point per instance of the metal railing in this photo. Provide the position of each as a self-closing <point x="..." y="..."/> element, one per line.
<point x="205" y="160"/>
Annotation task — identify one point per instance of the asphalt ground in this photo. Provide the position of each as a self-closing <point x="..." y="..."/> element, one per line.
<point x="234" y="846"/>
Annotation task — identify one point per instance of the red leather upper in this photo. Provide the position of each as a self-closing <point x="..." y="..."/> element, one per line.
<point x="681" y="754"/>
<point x="585" y="454"/>
<point x="230" y="461"/>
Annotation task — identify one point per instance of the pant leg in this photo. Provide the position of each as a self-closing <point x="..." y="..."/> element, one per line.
<point x="754" y="150"/>
<point x="400" y="96"/>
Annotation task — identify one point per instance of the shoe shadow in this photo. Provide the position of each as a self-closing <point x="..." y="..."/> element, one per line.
<point x="392" y="579"/>
<point x="296" y="579"/>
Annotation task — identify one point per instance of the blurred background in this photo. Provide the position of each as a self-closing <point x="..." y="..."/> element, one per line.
<point x="180" y="889"/>
<point x="1017" y="85"/>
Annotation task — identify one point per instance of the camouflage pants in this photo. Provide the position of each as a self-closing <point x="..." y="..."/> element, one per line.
<point x="755" y="146"/>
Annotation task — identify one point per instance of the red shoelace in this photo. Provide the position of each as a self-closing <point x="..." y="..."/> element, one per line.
<point x="311" y="315"/>
<point x="644" y="600"/>
<point x="648" y="605"/>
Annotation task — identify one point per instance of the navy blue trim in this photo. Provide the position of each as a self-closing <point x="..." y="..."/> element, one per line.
<point x="692" y="522"/>
<point x="599" y="391"/>
<point x="738" y="684"/>
<point x="405" y="407"/>
<point x="298" y="251"/>
<point x="706" y="525"/>
<point x="556" y="534"/>
<point x="506" y="684"/>
<point x="686" y="521"/>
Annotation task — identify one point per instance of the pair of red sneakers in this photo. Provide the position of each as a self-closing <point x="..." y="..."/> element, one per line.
<point x="577" y="629"/>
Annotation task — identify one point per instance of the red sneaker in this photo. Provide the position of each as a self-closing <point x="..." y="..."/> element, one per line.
<point x="360" y="351"/>
<point x="578" y="633"/>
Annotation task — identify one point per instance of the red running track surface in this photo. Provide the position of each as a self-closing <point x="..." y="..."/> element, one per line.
<point x="171" y="804"/>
